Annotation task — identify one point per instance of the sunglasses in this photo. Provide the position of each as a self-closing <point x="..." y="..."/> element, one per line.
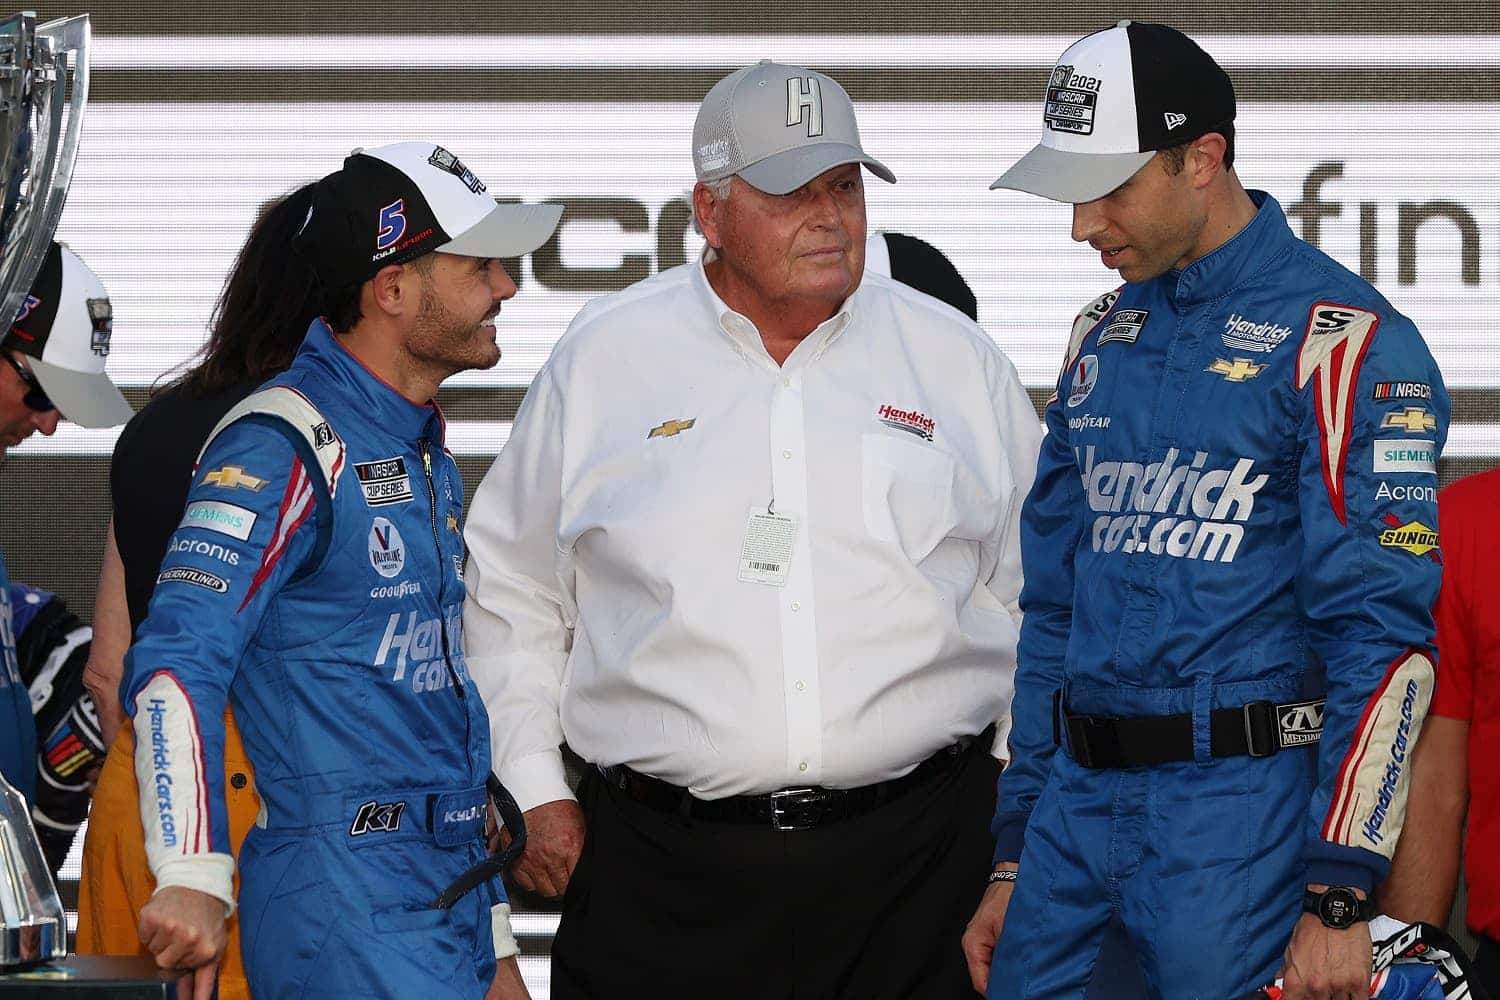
<point x="36" y="397"/>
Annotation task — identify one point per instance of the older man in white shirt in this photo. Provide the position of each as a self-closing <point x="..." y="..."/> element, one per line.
<point x="751" y="551"/>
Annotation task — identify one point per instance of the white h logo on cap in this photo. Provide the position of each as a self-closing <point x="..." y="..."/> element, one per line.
<point x="805" y="93"/>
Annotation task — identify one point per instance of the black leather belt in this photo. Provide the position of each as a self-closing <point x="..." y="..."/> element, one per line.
<point x="790" y="808"/>
<point x="1258" y="729"/>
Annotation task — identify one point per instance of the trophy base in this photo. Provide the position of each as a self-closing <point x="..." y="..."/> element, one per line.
<point x="24" y="945"/>
<point x="90" y="977"/>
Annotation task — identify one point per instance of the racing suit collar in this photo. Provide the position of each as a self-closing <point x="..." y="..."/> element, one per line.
<point x="1220" y="271"/>
<point x="367" y="393"/>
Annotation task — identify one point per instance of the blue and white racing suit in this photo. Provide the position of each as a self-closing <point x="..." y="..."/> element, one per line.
<point x="1235" y="503"/>
<point x="17" y="730"/>
<point x="316" y="581"/>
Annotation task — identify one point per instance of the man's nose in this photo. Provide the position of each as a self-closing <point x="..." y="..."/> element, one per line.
<point x="46" y="422"/>
<point x="1088" y="221"/>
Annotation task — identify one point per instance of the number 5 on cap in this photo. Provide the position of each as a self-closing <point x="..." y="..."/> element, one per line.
<point x="392" y="224"/>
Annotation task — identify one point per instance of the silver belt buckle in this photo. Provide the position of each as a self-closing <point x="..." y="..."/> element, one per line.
<point x="779" y="820"/>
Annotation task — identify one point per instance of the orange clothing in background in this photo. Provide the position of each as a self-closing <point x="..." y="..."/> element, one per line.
<point x="116" y="880"/>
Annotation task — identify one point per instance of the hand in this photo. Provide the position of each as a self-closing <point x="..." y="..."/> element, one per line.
<point x="1324" y="964"/>
<point x="508" y="984"/>
<point x="184" y="929"/>
<point x="984" y="928"/>
<point x="105" y="692"/>
<point x="554" y="840"/>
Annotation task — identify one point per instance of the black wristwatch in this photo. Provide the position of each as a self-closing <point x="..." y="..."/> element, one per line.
<point x="1338" y="907"/>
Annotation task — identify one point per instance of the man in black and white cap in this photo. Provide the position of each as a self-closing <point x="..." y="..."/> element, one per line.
<point x="751" y="552"/>
<point x="54" y="357"/>
<point x="1231" y="559"/>
<point x="316" y="578"/>
<point x="55" y="353"/>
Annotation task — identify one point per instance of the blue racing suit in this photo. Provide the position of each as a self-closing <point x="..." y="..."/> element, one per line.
<point x="1235" y="503"/>
<point x="17" y="730"/>
<point x="316" y="581"/>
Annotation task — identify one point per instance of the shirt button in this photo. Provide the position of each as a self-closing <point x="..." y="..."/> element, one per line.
<point x="802" y="766"/>
<point x="786" y="454"/>
<point x="787" y="382"/>
<point x="796" y="605"/>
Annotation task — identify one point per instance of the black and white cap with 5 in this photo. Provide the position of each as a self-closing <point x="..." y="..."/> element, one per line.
<point x="392" y="204"/>
<point x="777" y="127"/>
<point x="64" y="328"/>
<point x="1114" y="98"/>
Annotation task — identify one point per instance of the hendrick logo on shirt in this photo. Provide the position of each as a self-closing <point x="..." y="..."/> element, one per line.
<point x="1241" y="334"/>
<point x="384" y="481"/>
<point x="911" y="421"/>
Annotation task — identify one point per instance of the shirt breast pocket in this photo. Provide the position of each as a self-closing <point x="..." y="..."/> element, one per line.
<point x="908" y="493"/>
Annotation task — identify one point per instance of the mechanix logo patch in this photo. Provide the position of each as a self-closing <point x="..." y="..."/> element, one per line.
<point x="377" y="817"/>
<point x="1300" y="723"/>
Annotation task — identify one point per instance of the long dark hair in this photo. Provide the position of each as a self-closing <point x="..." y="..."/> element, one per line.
<point x="264" y="310"/>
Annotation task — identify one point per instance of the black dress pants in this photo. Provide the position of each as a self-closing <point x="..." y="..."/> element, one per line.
<point x="873" y="907"/>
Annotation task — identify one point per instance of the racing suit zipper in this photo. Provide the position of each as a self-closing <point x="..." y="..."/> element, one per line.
<point x="437" y="544"/>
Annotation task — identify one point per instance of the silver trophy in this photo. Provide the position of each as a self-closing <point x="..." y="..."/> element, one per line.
<point x="44" y="84"/>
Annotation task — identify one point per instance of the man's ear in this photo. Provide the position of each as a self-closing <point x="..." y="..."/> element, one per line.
<point x="1205" y="159"/>
<point x="391" y="291"/>
<point x="707" y="211"/>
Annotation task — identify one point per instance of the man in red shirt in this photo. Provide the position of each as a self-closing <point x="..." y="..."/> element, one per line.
<point x="1450" y="774"/>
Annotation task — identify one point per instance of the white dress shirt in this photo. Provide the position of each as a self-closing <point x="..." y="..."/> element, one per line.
<point x="605" y="600"/>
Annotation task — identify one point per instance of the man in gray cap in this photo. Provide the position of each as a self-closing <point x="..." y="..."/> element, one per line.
<point x="751" y="552"/>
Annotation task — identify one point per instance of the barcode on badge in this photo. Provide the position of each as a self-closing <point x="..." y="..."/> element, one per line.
<point x="766" y="567"/>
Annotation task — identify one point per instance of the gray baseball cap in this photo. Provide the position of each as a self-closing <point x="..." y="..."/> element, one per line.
<point x="778" y="127"/>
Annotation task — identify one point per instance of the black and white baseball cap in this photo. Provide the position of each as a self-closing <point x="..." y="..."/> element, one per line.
<point x="392" y="204"/>
<point x="1114" y="98"/>
<point x="64" y="328"/>
<point x="778" y="127"/>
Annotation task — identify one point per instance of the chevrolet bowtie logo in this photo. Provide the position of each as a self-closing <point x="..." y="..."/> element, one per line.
<point x="1412" y="420"/>
<point x="1237" y="370"/>
<point x="452" y="523"/>
<point x="670" y="428"/>
<point x="233" y="477"/>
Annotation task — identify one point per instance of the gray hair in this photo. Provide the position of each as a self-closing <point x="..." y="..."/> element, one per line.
<point x="720" y="190"/>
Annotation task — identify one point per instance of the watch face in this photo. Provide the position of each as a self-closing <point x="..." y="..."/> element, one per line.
<point x="1338" y="908"/>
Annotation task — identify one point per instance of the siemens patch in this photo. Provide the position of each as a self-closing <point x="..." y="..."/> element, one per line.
<point x="1405" y="456"/>
<point x="384" y="481"/>
<point x="215" y="515"/>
